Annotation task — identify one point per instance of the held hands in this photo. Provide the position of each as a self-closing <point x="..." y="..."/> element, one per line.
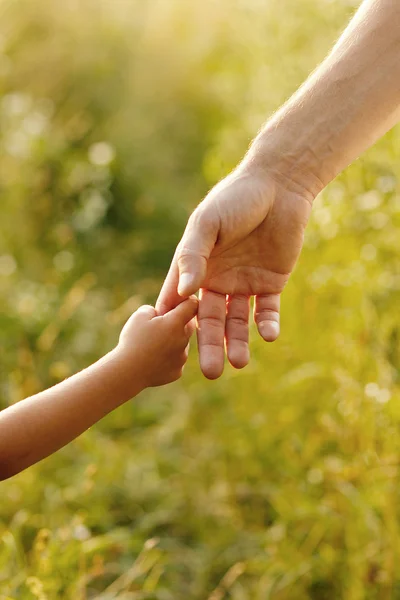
<point x="156" y="347"/>
<point x="243" y="240"/>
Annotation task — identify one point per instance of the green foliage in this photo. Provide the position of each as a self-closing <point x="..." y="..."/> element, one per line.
<point x="280" y="481"/>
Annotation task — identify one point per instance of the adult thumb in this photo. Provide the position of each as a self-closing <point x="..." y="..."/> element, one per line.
<point x="195" y="248"/>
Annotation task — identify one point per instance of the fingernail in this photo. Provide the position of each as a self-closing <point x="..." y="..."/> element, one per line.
<point x="185" y="283"/>
<point x="269" y="330"/>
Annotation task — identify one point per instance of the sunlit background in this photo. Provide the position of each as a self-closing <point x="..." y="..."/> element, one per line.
<point x="280" y="481"/>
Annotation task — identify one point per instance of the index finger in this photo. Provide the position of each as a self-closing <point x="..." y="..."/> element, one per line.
<point x="169" y="297"/>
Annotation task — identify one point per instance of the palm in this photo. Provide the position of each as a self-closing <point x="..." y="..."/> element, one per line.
<point x="243" y="240"/>
<point x="256" y="251"/>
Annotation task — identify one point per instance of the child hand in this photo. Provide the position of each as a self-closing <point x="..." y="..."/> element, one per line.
<point x="154" y="349"/>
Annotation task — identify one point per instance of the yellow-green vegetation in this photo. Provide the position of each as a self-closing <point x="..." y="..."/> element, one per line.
<point x="280" y="481"/>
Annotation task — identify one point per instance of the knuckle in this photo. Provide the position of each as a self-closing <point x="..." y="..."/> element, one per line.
<point x="204" y="218"/>
<point x="241" y="321"/>
<point x="210" y="321"/>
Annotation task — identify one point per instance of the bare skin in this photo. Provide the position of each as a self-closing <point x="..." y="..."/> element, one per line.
<point x="253" y="253"/>
<point x="245" y="237"/>
<point x="152" y="351"/>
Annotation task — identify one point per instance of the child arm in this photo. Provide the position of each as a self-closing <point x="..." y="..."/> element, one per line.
<point x="152" y="351"/>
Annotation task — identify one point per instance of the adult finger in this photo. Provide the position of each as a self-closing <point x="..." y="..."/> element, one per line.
<point x="195" y="248"/>
<point x="237" y="331"/>
<point x="169" y="297"/>
<point x="210" y="332"/>
<point x="266" y="316"/>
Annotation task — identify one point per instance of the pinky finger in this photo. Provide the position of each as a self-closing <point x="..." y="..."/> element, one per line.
<point x="266" y="316"/>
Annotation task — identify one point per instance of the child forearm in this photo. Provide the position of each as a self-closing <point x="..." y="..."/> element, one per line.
<point x="151" y="351"/>
<point x="38" y="426"/>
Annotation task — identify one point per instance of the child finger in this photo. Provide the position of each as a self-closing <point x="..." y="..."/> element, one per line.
<point x="183" y="313"/>
<point x="190" y="329"/>
<point x="145" y="312"/>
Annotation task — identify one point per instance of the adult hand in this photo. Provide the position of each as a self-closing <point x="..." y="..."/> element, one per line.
<point x="243" y="240"/>
<point x="245" y="237"/>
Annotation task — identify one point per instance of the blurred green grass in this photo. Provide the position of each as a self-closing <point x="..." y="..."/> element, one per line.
<point x="280" y="481"/>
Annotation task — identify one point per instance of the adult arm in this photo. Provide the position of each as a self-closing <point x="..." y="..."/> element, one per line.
<point x="345" y="106"/>
<point x="246" y="235"/>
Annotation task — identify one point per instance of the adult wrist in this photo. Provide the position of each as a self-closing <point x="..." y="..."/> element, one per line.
<point x="293" y="164"/>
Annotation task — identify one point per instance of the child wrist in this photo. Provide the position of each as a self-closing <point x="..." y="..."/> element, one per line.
<point x="130" y="375"/>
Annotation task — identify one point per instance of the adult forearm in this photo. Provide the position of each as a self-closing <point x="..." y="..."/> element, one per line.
<point x="350" y="101"/>
<point x="38" y="426"/>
